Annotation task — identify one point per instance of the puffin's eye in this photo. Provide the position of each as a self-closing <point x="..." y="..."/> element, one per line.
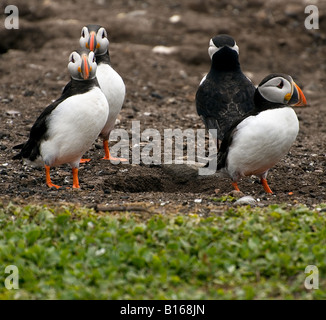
<point x="103" y="35"/>
<point x="72" y="59"/>
<point x="83" y="33"/>
<point x="280" y="85"/>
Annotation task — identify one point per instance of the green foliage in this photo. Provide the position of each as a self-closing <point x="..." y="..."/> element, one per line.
<point x="245" y="253"/>
<point x="226" y="198"/>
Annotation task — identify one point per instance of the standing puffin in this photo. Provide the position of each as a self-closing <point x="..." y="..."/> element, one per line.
<point x="94" y="37"/>
<point x="66" y="129"/>
<point x="261" y="138"/>
<point x="225" y="94"/>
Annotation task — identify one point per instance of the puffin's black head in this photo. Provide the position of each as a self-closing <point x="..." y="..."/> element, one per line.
<point x="224" y="52"/>
<point x="82" y="64"/>
<point x="278" y="89"/>
<point x="95" y="38"/>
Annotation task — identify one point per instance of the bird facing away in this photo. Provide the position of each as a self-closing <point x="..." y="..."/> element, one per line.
<point x="94" y="37"/>
<point x="66" y="129"/>
<point x="225" y="94"/>
<point x="262" y="137"/>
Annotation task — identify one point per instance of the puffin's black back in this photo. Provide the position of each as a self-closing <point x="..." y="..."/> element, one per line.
<point x="226" y="94"/>
<point x="31" y="149"/>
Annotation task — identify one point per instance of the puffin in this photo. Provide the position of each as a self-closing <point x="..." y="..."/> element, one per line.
<point x="263" y="136"/>
<point x="66" y="128"/>
<point x="225" y="94"/>
<point x="95" y="38"/>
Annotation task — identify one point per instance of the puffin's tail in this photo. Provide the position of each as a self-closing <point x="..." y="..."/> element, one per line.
<point x="19" y="155"/>
<point x="217" y="162"/>
<point x="19" y="146"/>
<point x="28" y="150"/>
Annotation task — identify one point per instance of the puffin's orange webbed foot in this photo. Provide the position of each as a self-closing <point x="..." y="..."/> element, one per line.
<point x="48" y="178"/>
<point x="266" y="186"/>
<point x="107" y="153"/>
<point x="235" y="186"/>
<point x="84" y="160"/>
<point x="75" y="180"/>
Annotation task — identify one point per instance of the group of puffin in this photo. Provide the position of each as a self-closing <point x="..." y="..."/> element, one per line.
<point x="88" y="108"/>
<point x="257" y="126"/>
<point x="253" y="127"/>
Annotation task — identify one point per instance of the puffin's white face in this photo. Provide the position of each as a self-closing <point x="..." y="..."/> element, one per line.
<point x="97" y="42"/>
<point x="82" y="66"/>
<point x="277" y="89"/>
<point x="212" y="49"/>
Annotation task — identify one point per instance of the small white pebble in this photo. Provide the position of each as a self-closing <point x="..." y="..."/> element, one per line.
<point x="164" y="50"/>
<point x="175" y="18"/>
<point x="245" y="200"/>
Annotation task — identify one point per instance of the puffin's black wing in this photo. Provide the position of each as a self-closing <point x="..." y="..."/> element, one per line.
<point x="220" y="102"/>
<point x="30" y="149"/>
<point x="222" y="154"/>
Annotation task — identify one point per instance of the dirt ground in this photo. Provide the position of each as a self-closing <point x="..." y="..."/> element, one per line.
<point x="161" y="92"/>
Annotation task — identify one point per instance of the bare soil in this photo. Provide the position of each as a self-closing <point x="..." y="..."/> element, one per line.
<point x="160" y="94"/>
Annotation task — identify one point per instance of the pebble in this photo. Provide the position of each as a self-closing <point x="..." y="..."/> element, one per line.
<point x="175" y="18"/>
<point x="12" y="113"/>
<point x="245" y="201"/>
<point x="164" y="50"/>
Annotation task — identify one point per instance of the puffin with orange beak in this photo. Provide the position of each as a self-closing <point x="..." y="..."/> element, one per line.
<point x="66" y="129"/>
<point x="262" y="137"/>
<point x="94" y="37"/>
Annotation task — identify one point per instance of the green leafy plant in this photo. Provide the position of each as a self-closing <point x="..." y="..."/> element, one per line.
<point x="245" y="253"/>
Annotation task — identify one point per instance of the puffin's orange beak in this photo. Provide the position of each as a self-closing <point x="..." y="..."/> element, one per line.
<point x="85" y="67"/>
<point x="92" y="43"/>
<point x="301" y="98"/>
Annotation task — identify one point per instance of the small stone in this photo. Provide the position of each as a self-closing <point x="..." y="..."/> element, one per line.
<point x="198" y="200"/>
<point x="12" y="113"/>
<point x="28" y="93"/>
<point x="156" y="95"/>
<point x="236" y="194"/>
<point x="245" y="201"/>
<point x="175" y="18"/>
<point x="164" y="50"/>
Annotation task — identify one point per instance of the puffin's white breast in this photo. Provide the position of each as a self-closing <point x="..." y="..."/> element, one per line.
<point x="260" y="141"/>
<point x="73" y="126"/>
<point x="114" y="89"/>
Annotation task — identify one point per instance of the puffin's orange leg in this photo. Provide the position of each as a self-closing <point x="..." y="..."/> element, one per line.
<point x="75" y="183"/>
<point x="48" y="178"/>
<point x="84" y="160"/>
<point x="265" y="185"/>
<point x="107" y="153"/>
<point x="235" y="186"/>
